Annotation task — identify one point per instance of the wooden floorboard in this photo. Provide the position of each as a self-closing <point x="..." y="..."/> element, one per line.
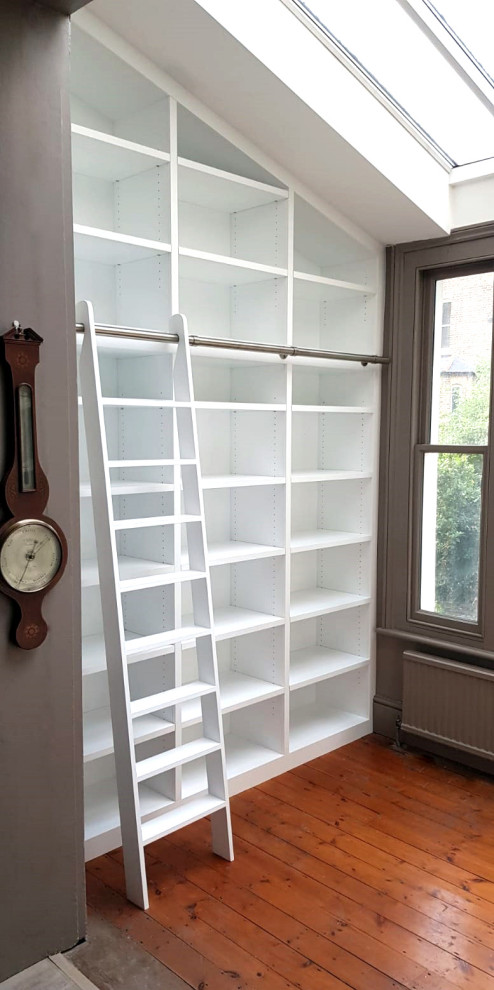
<point x="366" y="869"/>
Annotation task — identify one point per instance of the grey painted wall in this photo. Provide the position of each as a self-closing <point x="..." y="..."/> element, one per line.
<point x="397" y="631"/>
<point x="64" y="6"/>
<point x="41" y="842"/>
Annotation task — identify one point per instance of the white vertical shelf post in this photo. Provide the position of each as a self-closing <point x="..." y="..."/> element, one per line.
<point x="288" y="461"/>
<point x="177" y="474"/>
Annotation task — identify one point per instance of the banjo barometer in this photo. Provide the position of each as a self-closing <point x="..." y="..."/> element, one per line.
<point x="33" y="548"/>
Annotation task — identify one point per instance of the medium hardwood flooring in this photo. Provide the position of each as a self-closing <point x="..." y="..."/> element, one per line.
<point x="364" y="869"/>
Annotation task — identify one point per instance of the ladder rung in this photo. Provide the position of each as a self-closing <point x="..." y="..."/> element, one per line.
<point x="193" y="750"/>
<point x="154" y="521"/>
<point x="151" y="462"/>
<point x="159" y="580"/>
<point x="166" y="699"/>
<point x="176" y="818"/>
<point x="147" y="647"/>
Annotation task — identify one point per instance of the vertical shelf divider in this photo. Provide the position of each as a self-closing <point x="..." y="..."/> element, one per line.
<point x="288" y="461"/>
<point x="177" y="474"/>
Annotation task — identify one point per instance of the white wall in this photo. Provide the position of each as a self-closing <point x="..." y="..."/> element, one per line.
<point x="472" y="194"/>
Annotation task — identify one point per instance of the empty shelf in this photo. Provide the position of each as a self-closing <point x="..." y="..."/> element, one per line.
<point x="215" y="189"/>
<point x="333" y="475"/>
<point x="204" y="266"/>
<point x="241" y="406"/>
<point x="148" y="576"/>
<point x="191" y="712"/>
<point x="129" y="403"/>
<point x="110" y="248"/>
<point x="150" y="462"/>
<point x="240" y="480"/>
<point x="231" y="621"/>
<point x="194" y="750"/>
<point x="347" y="410"/>
<point x="105" y="156"/>
<point x="102" y="814"/>
<point x="180" y="816"/>
<point x="309" y="725"/>
<point x="243" y="755"/>
<point x="98" y="737"/>
<point x="320" y="287"/>
<point x="316" y="663"/>
<point x="136" y="573"/>
<point x="148" y="522"/>
<point x="194" y="779"/>
<point x="235" y="550"/>
<point x="93" y="654"/>
<point x="136" y="647"/>
<point x="316" y="539"/>
<point x="316" y="601"/>
<point x="238" y="690"/>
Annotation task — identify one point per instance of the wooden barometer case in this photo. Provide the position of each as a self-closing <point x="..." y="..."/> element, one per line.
<point x="33" y="548"/>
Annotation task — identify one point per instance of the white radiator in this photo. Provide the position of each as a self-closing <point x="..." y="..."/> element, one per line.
<point x="449" y="702"/>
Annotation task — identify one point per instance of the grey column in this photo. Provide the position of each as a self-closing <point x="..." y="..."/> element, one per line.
<point x="41" y="819"/>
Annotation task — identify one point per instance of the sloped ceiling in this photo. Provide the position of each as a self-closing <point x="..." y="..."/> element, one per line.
<point x="183" y="39"/>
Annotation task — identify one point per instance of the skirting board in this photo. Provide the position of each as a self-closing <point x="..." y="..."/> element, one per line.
<point x="450" y="753"/>
<point x="385" y="714"/>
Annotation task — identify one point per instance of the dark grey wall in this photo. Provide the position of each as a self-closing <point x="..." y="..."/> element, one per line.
<point x="65" y="6"/>
<point x="398" y="630"/>
<point x="41" y="840"/>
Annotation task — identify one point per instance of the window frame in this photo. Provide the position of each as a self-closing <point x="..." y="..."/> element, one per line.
<point x="446" y="324"/>
<point x="412" y="270"/>
<point x="423" y="446"/>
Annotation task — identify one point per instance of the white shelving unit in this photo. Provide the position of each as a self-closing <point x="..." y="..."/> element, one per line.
<point x="170" y="216"/>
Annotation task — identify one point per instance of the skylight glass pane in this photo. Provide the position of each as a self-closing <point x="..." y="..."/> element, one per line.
<point x="473" y="22"/>
<point x="391" y="46"/>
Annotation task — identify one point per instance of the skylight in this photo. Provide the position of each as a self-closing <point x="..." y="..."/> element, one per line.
<point x="407" y="50"/>
<point x="473" y="23"/>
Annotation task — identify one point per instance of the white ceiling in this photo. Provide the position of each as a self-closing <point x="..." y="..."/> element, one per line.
<point x="211" y="63"/>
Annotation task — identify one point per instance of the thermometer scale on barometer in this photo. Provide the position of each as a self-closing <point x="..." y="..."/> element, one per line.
<point x="33" y="549"/>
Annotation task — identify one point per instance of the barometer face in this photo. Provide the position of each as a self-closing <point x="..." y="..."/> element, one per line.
<point x="30" y="556"/>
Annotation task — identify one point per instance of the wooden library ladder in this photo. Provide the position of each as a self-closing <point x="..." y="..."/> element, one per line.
<point x="181" y="809"/>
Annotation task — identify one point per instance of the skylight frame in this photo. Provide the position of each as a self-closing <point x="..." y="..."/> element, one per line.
<point x="452" y="46"/>
<point x="445" y="42"/>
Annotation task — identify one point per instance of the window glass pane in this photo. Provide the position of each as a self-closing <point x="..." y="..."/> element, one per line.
<point x="451" y="515"/>
<point x="461" y="377"/>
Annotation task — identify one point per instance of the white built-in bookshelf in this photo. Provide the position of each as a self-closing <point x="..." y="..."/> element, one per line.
<point x="171" y="217"/>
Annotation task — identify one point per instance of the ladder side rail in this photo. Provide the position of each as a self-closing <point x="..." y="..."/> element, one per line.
<point x="114" y="636"/>
<point x="221" y="827"/>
